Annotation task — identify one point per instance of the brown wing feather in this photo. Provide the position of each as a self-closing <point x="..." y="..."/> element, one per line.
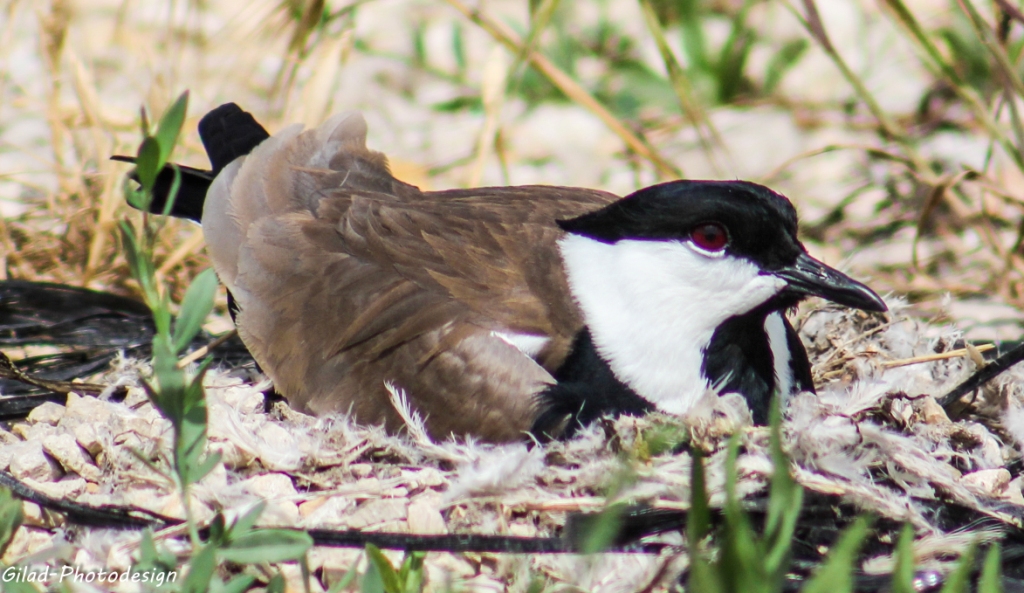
<point x="347" y="279"/>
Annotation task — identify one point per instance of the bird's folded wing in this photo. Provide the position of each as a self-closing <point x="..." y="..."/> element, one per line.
<point x="348" y="278"/>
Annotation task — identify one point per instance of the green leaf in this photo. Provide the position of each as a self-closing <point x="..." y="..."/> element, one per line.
<point x="742" y="564"/>
<point x="991" y="580"/>
<point x="411" y="573"/>
<point x="702" y="576"/>
<point x="372" y="581"/>
<point x="11" y="516"/>
<point x="388" y="577"/>
<point x="172" y="194"/>
<point x="347" y="579"/>
<point x="784" y="502"/>
<point x="958" y="580"/>
<point x="699" y="521"/>
<point x="19" y="587"/>
<point x="836" y="575"/>
<point x="267" y="545"/>
<point x="197" y="304"/>
<point x="147" y="163"/>
<point x="153" y="558"/>
<point x="239" y="584"/>
<point x="459" y="48"/>
<point x="147" y="548"/>
<point x="276" y="584"/>
<point x="903" y="573"/>
<point x="138" y="261"/>
<point x="245" y="523"/>
<point x="601" y="530"/>
<point x="200" y="570"/>
<point x="782" y="62"/>
<point x="218" y="532"/>
<point x="169" y="127"/>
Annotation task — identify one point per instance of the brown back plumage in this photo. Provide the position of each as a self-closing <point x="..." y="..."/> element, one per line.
<point x="347" y="278"/>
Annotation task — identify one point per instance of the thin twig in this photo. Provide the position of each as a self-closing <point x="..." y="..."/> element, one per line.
<point x="933" y="357"/>
<point x="201" y="352"/>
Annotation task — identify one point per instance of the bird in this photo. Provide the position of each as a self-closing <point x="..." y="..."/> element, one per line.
<point x="498" y="312"/>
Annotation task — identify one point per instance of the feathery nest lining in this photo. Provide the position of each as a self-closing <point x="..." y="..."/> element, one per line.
<point x="875" y="437"/>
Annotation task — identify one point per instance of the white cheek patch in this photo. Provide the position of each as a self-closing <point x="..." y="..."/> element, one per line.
<point x="653" y="306"/>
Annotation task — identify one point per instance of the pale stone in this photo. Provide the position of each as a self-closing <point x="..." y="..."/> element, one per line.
<point x="173" y="508"/>
<point x="1015" y="491"/>
<point x="10" y="451"/>
<point x="311" y="505"/>
<point x="335" y="562"/>
<point x="279" y="513"/>
<point x="430" y="477"/>
<point x="32" y="514"/>
<point x="30" y="462"/>
<point x="269" y="486"/>
<point x="69" y="489"/>
<point x="332" y="511"/>
<point x="377" y="511"/>
<point x="26" y="540"/>
<point x="294" y="581"/>
<point x="522" y="529"/>
<point x="88" y="438"/>
<point x="87" y="408"/>
<point x="47" y="413"/>
<point x="425" y="514"/>
<point x="232" y="455"/>
<point x="991" y="482"/>
<point x="932" y="412"/>
<point x="148" y="498"/>
<point x="30" y="432"/>
<point x="64" y="448"/>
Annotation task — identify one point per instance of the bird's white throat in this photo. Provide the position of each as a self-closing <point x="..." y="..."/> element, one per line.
<point x="653" y="306"/>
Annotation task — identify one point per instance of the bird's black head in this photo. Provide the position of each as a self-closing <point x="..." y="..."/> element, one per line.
<point x="726" y="219"/>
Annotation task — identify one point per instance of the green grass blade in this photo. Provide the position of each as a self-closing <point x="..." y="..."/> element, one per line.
<point x="903" y="571"/>
<point x="836" y="575"/>
<point x="784" y="501"/>
<point x="937" y="63"/>
<point x="387" y="573"/>
<point x="741" y="566"/>
<point x="991" y="580"/>
<point x="958" y="581"/>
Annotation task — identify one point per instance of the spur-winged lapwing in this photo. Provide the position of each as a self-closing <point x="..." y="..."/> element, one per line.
<point x="497" y="310"/>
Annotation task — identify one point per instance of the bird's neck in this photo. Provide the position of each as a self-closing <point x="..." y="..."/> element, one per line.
<point x="653" y="309"/>
<point x="755" y="355"/>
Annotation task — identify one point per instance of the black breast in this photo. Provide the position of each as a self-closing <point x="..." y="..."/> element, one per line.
<point x="739" y="359"/>
<point x="586" y="390"/>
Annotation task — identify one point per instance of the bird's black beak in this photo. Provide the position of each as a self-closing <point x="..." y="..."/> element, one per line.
<point x="809" y="277"/>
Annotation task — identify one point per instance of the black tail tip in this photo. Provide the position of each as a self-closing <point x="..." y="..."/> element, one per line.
<point x="229" y="132"/>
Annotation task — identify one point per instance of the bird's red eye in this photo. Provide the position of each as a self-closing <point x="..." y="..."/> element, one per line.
<point x="709" y="236"/>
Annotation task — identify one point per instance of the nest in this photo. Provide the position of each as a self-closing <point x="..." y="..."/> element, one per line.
<point x="873" y="440"/>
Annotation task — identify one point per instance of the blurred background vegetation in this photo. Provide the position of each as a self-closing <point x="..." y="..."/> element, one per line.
<point x="895" y="126"/>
